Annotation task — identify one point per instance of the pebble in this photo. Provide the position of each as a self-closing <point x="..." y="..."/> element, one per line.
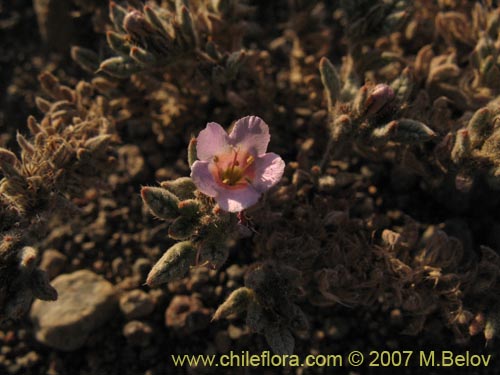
<point x="138" y="333"/>
<point x="28" y="360"/>
<point x="235" y="272"/>
<point x="199" y="278"/>
<point x="119" y="267"/>
<point x="129" y="283"/>
<point x="234" y="332"/>
<point x="131" y="160"/>
<point x="53" y="262"/>
<point x="136" y="304"/>
<point x="187" y="314"/>
<point x="141" y="268"/>
<point x="86" y="301"/>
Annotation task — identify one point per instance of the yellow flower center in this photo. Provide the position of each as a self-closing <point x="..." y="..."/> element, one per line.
<point x="234" y="172"/>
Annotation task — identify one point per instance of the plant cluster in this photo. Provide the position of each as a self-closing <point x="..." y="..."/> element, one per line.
<point x="378" y="104"/>
<point x="68" y="151"/>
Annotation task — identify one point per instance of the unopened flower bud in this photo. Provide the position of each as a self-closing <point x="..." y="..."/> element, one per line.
<point x="135" y="24"/>
<point x="378" y="98"/>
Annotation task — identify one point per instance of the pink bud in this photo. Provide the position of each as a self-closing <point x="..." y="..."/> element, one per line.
<point x="378" y="98"/>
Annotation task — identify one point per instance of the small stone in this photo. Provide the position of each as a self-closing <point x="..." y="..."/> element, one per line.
<point x="53" y="262"/>
<point x="28" y="360"/>
<point x="129" y="283"/>
<point x="235" y="272"/>
<point x="118" y="266"/>
<point x="187" y="314"/>
<point x="158" y="296"/>
<point x="138" y="333"/>
<point x="13" y="368"/>
<point x="336" y="329"/>
<point x="141" y="268"/>
<point x="131" y="160"/>
<point x="136" y="304"/>
<point x="199" y="278"/>
<point x="5" y="350"/>
<point x="219" y="290"/>
<point x="10" y="337"/>
<point x="396" y="317"/>
<point x="231" y="284"/>
<point x="327" y="184"/>
<point x="235" y="332"/>
<point x="86" y="301"/>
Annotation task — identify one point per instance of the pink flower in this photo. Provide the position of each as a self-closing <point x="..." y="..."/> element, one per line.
<point x="235" y="169"/>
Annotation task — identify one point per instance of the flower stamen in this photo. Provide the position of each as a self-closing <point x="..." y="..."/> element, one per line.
<point x="233" y="174"/>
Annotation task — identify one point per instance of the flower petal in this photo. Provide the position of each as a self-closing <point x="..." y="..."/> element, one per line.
<point x="268" y="171"/>
<point x="203" y="178"/>
<point x="251" y="133"/>
<point x="211" y="141"/>
<point x="237" y="200"/>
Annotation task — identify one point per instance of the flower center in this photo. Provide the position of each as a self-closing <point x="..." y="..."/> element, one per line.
<point x="235" y="172"/>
